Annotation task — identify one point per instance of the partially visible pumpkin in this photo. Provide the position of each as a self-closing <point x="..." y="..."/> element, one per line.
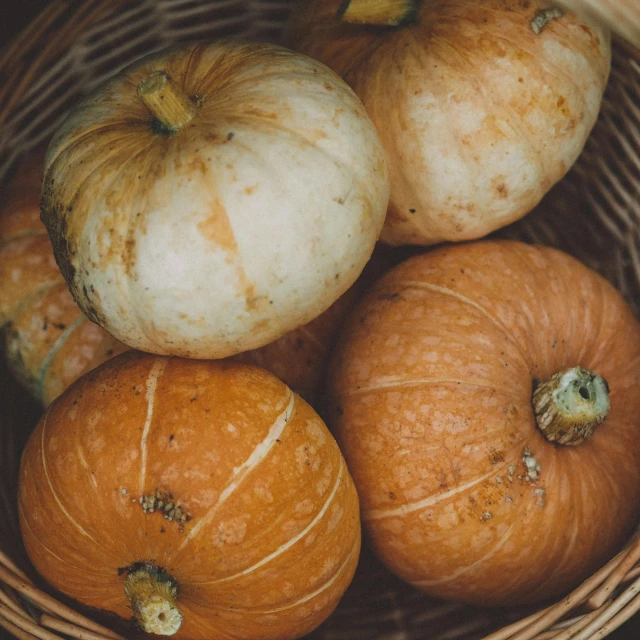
<point x="49" y="341"/>
<point x="621" y="16"/>
<point x="209" y="199"/>
<point x="205" y="497"/>
<point x="481" y="105"/>
<point x="473" y="488"/>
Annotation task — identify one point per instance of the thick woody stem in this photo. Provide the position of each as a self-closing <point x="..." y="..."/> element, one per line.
<point x="378" y="12"/>
<point x="152" y="593"/>
<point x="570" y="405"/>
<point x="166" y="101"/>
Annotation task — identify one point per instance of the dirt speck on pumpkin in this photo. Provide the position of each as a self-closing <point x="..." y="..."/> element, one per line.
<point x="164" y="503"/>
<point x="532" y="467"/>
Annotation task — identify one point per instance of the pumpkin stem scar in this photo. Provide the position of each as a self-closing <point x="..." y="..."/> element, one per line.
<point x="543" y="17"/>
<point x="389" y="13"/>
<point x="570" y="405"/>
<point x="152" y="593"/>
<point x="170" y="106"/>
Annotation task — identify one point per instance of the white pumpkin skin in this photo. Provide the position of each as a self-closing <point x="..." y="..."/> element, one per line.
<point x="479" y="115"/>
<point x="246" y="223"/>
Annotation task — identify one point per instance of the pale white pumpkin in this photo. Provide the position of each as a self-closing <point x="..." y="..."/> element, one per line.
<point x="482" y="105"/>
<point x="209" y="199"/>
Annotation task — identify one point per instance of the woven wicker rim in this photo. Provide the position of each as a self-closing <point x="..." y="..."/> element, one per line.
<point x="43" y="61"/>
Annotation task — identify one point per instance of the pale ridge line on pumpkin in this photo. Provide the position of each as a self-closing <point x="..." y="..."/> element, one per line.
<point x="46" y="475"/>
<point x="475" y="305"/>
<point x="57" y="345"/>
<point x="22" y="234"/>
<point x="240" y="473"/>
<point x="327" y="585"/>
<point x="305" y="331"/>
<point x="58" y="558"/>
<point x="152" y="382"/>
<point x="377" y="514"/>
<point x="296" y="538"/>
<point x="398" y="383"/>
<point x="463" y="570"/>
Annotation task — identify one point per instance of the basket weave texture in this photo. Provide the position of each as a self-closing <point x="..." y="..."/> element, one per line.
<point x="593" y="214"/>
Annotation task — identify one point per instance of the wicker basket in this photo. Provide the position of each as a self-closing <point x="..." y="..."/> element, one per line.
<point x="593" y="214"/>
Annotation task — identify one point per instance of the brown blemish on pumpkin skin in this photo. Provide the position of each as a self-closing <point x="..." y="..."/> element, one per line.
<point x="217" y="228"/>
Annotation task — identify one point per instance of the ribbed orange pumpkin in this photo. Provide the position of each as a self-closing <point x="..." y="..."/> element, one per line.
<point x="467" y="491"/>
<point x="208" y="492"/>
<point x="481" y="105"/>
<point x="49" y="341"/>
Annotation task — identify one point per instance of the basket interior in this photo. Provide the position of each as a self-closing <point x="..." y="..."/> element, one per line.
<point x="592" y="214"/>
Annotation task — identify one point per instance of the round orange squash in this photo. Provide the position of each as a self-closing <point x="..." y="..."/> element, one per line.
<point x="474" y="486"/>
<point x="206" y="498"/>
<point x="49" y="341"/>
<point x="481" y="105"/>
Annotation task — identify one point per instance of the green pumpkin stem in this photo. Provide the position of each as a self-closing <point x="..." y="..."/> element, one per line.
<point x="389" y="13"/>
<point x="570" y="405"/>
<point x="152" y="593"/>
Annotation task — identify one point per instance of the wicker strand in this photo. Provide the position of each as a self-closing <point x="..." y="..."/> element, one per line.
<point x="528" y="628"/>
<point x="566" y="632"/>
<point x="26" y="624"/>
<point x="43" y="599"/>
<point x="10" y="602"/>
<point x="610" y="612"/>
<point x="51" y="50"/>
<point x="16" y="631"/>
<point x="33" y="32"/>
<point x="70" y="629"/>
<point x="611" y="583"/>
<point x="618" y="620"/>
<point x="11" y="565"/>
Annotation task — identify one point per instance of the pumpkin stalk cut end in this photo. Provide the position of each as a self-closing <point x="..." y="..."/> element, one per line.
<point x="389" y="13"/>
<point x="543" y="17"/>
<point x="570" y="405"/>
<point x="152" y="593"/>
<point x="166" y="101"/>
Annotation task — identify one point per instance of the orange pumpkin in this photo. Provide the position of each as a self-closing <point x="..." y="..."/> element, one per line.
<point x="468" y="491"/>
<point x="205" y="496"/>
<point x="481" y="105"/>
<point x="49" y="341"/>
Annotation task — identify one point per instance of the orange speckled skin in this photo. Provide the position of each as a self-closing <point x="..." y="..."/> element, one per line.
<point x="431" y="402"/>
<point x="479" y="116"/>
<point x="49" y="342"/>
<point x="274" y="534"/>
